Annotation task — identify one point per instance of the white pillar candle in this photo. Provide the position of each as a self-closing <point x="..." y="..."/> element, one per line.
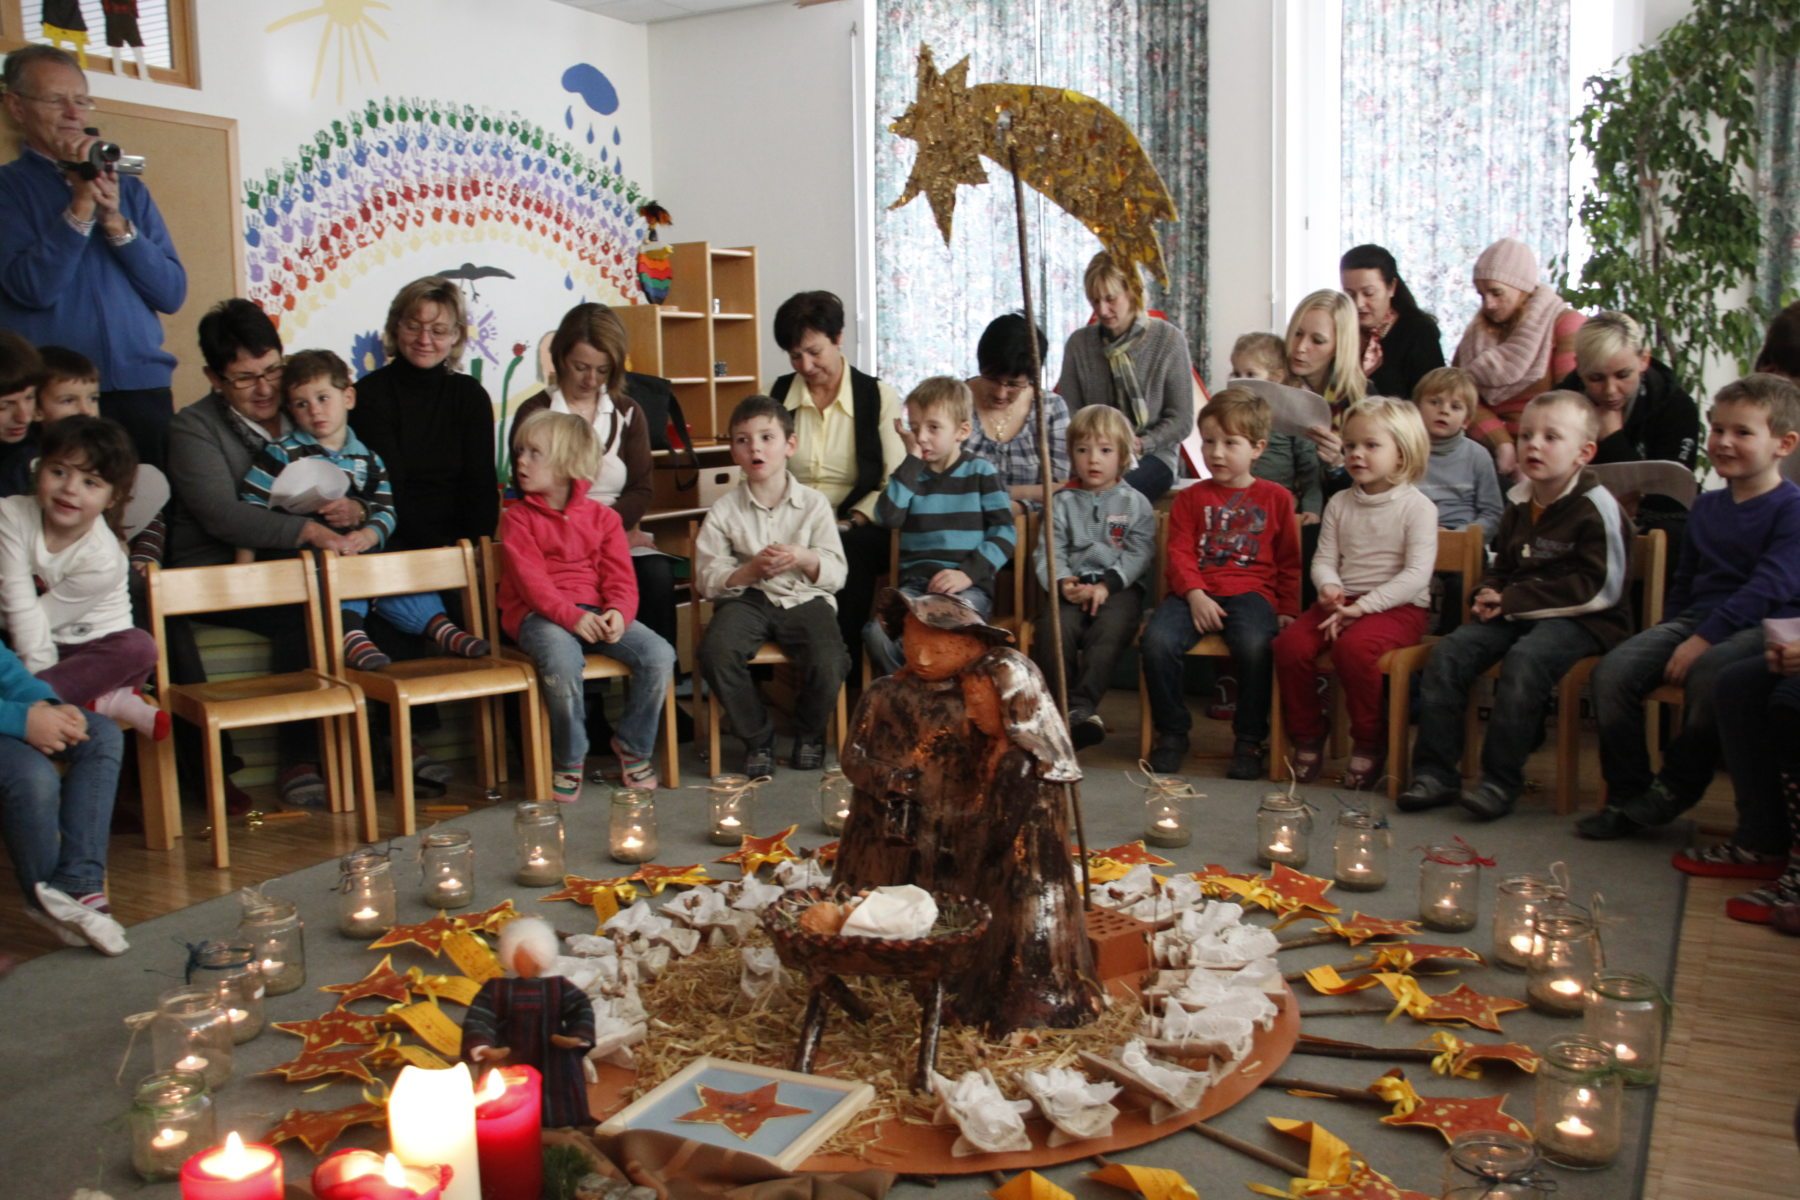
<point x="431" y="1120"/>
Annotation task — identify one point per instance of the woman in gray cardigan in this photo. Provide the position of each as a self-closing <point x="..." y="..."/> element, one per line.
<point x="1135" y="363"/>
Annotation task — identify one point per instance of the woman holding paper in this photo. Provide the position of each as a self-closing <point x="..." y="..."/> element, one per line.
<point x="1324" y="356"/>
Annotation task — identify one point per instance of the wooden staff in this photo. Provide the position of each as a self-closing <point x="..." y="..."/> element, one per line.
<point x="1306" y="939"/>
<point x="1334" y="1090"/>
<point x="1347" y="1010"/>
<point x="1332" y="1048"/>
<point x="1286" y="1166"/>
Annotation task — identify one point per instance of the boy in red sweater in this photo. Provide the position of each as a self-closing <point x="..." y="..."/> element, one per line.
<point x="1234" y="569"/>
<point x="569" y="591"/>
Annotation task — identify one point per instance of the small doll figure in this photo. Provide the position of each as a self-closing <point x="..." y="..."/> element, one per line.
<point x="959" y="761"/>
<point x="542" y="1021"/>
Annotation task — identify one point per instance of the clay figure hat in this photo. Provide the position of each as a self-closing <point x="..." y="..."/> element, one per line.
<point x="940" y="612"/>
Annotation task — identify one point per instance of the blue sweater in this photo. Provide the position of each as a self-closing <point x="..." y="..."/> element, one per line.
<point x="59" y="287"/>
<point x="1739" y="562"/>
<point x="960" y="519"/>
<point x="19" y="690"/>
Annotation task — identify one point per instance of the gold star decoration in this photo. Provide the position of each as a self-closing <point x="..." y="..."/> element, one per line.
<point x="316" y="1128"/>
<point x="1333" y="1170"/>
<point x="1067" y="146"/>
<point x="383" y="982"/>
<point x="426" y="935"/>
<point x="344" y="1060"/>
<point x="657" y="878"/>
<point x="1132" y="854"/>
<point x="1298" y="890"/>
<point x="1450" y="1116"/>
<point x="584" y="891"/>
<point x="490" y="920"/>
<point x="1463" y="1059"/>
<point x="755" y="853"/>
<point x="1465" y="1004"/>
<point x="743" y="1113"/>
<point x="339" y="1027"/>
<point x="1359" y="928"/>
<point x="1406" y="957"/>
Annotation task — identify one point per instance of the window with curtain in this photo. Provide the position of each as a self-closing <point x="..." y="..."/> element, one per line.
<point x="1778" y="180"/>
<point x="1145" y="59"/>
<point x="1455" y="133"/>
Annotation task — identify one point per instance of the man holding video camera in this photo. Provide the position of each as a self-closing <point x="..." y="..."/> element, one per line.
<point x="85" y="259"/>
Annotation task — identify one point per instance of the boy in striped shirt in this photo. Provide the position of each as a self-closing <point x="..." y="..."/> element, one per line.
<point x="952" y="510"/>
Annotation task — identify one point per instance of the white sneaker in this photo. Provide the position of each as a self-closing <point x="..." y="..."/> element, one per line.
<point x="64" y="934"/>
<point x="100" y="930"/>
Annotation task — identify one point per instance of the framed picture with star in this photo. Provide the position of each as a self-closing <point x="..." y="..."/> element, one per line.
<point x="783" y="1116"/>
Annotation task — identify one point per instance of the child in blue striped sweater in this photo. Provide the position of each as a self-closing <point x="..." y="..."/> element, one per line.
<point x="317" y="386"/>
<point x="952" y="510"/>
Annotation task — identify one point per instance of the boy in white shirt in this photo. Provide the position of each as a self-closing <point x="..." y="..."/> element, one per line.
<point x="770" y="559"/>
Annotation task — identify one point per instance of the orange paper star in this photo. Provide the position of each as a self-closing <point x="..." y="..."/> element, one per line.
<point x="491" y="919"/>
<point x="1299" y="890"/>
<point x="1408" y="956"/>
<point x="427" y="935"/>
<point x="1359" y="928"/>
<point x="657" y="878"/>
<point x="756" y="853"/>
<point x="1455" y="1116"/>
<point x="1466" y="1056"/>
<point x="1132" y="854"/>
<point x="381" y="983"/>
<point x="339" y="1027"/>
<point x="1367" y="1187"/>
<point x="585" y="891"/>
<point x="345" y="1060"/>
<point x="318" y="1128"/>
<point x="741" y="1112"/>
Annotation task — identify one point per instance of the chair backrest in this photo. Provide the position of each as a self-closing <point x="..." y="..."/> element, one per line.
<point x="1648" y="575"/>
<point x="401" y="573"/>
<point x="493" y="564"/>
<point x="194" y="591"/>
<point x="1160" y="568"/>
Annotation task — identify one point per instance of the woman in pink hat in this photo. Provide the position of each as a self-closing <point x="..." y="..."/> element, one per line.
<point x="1523" y="339"/>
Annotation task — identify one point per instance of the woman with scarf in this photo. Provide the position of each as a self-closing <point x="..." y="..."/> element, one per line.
<point x="1523" y="339"/>
<point x="1135" y="363"/>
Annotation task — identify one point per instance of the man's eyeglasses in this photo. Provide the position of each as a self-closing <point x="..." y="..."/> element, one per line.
<point x="83" y="103"/>
<point x="243" y="383"/>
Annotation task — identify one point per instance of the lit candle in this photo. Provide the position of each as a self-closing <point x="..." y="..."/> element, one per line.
<point x="364" y="914"/>
<point x="431" y="1120"/>
<point x="168" y="1139"/>
<point x="1280" y="848"/>
<point x="632" y="842"/>
<point x="1521" y="942"/>
<point x="1567" y="987"/>
<point x="1356" y="868"/>
<point x="191" y="1062"/>
<point x="509" y="1133"/>
<point x="729" y="822"/>
<point x="1574" y="1127"/>
<point x="1167" y="822"/>
<point x="365" y="1175"/>
<point x="233" y="1172"/>
<point x="1624" y="1053"/>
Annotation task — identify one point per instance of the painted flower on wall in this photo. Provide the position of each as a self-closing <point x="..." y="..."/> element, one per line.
<point x="367" y="353"/>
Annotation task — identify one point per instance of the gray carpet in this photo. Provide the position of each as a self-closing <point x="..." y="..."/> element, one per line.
<point x="64" y="1037"/>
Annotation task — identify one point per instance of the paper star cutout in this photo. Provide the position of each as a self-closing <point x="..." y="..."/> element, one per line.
<point x="1454" y="1116"/>
<point x="1359" y="929"/>
<point x="657" y="878"/>
<point x="1369" y="1186"/>
<point x="584" y="891"/>
<point x="743" y="1113"/>
<point x="318" y="1128"/>
<point x="1327" y="981"/>
<point x="426" y="935"/>
<point x="943" y="121"/>
<point x="1405" y="957"/>
<point x="1029" y="1185"/>
<point x="1132" y="854"/>
<point x="339" y="1027"/>
<point x="826" y="854"/>
<point x="1333" y="1170"/>
<point x="491" y="919"/>
<point x="1153" y="1183"/>
<point x="346" y="1060"/>
<point x="755" y="853"/>
<point x="1299" y="890"/>
<point x="1461" y="1058"/>
<point x="383" y="982"/>
<point x="1217" y="882"/>
<point x="1465" y="1004"/>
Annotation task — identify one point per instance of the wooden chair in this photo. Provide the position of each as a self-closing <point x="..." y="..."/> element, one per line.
<point x="1009" y="586"/>
<point x="1211" y="645"/>
<point x="768" y="654"/>
<point x="597" y="666"/>
<point x="1461" y="553"/>
<point x="309" y="695"/>
<point x="436" y="680"/>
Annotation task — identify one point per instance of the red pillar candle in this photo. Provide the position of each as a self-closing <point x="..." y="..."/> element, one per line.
<point x="509" y="1133"/>
<point x="233" y="1171"/>
<point x="366" y="1175"/>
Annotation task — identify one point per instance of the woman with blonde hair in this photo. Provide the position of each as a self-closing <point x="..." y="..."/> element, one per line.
<point x="1324" y="350"/>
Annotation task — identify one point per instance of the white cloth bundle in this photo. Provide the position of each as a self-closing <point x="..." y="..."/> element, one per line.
<point x="1076" y="1108"/>
<point x="901" y="912"/>
<point x="990" y="1123"/>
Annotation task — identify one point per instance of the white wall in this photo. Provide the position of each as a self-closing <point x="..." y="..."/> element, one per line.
<point x="1240" y="158"/>
<point x="507" y="58"/>
<point x="754" y="124"/>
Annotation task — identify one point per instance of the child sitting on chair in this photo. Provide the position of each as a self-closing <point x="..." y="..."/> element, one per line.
<point x="1460" y="478"/>
<point x="319" y="396"/>
<point x="770" y="559"/>
<point x="569" y="591"/>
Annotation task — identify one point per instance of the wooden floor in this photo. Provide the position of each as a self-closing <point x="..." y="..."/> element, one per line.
<point x="1725" y="1115"/>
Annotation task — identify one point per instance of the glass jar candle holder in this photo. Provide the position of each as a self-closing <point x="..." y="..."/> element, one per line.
<point x="538" y="845"/>
<point x="1283" y="830"/>
<point x="274" y="929"/>
<point x="631" y="829"/>
<point x="365" y="894"/>
<point x="1565" y="957"/>
<point x="1492" y="1166"/>
<point x="192" y="1032"/>
<point x="1449" y="888"/>
<point x="1628" y="1015"/>
<point x="1166" y="819"/>
<point x="1359" y="852"/>
<point x="171" y="1120"/>
<point x="835" y="792"/>
<point x="1516" y="903"/>
<point x="731" y="801"/>
<point x="230" y="968"/>
<point x="1578" y="1103"/>
<point x="447" y="865"/>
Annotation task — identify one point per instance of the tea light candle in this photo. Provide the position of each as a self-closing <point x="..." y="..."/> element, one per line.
<point x="1627" y="1012"/>
<point x="234" y="1171"/>
<point x="835" y="794"/>
<point x="171" y="1114"/>
<point x="169" y="1139"/>
<point x="1360" y="851"/>
<point x="509" y="1133"/>
<point x="365" y="1175"/>
<point x="1283" y="826"/>
<point x="431" y="1120"/>
<point x="447" y="863"/>
<point x="1577" y="1103"/>
<point x="192" y="1062"/>
<point x="1449" y="883"/>
<point x="730" y="802"/>
<point x="631" y="826"/>
<point x="538" y="829"/>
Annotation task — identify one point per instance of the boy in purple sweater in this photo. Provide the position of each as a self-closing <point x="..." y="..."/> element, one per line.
<point x="1740" y="563"/>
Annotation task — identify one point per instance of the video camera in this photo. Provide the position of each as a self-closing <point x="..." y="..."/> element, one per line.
<point x="104" y="156"/>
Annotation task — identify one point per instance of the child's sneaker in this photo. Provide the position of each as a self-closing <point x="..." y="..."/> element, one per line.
<point x="1487" y="800"/>
<point x="809" y="753"/>
<point x="565" y="786"/>
<point x="1728" y="860"/>
<point x="1759" y="907"/>
<point x="89" y="916"/>
<point x="1247" y="761"/>
<point x="1086" y="729"/>
<point x="1424" y="793"/>
<point x="1168" y="753"/>
<point x="759" y="760"/>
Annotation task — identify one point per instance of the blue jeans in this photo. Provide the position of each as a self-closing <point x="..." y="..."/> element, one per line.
<point x="1533" y="657"/>
<point x="56" y="827"/>
<point x="1757" y="713"/>
<point x="1631" y="671"/>
<point x="560" y="657"/>
<point x="409" y="614"/>
<point x="886" y="654"/>
<point x="1152" y="477"/>
<point x="1250" y="629"/>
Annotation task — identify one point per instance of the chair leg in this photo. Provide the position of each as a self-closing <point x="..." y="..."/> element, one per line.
<point x="358" y="767"/>
<point x="843" y="720"/>
<point x="498" y="716"/>
<point x="214" y="763"/>
<point x="1143" y="715"/>
<point x="671" y="751"/>
<point x="1277" y="731"/>
<point x="331" y="762"/>
<point x="536" y="767"/>
<point x="346" y="801"/>
<point x="1568" y="745"/>
<point x="400" y="731"/>
<point x="487" y="767"/>
<point x="1399" y="704"/>
<point x="712" y="734"/>
<point x="162" y="796"/>
<point x="1340" y="720"/>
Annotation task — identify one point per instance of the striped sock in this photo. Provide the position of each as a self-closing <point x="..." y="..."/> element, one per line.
<point x="455" y="640"/>
<point x="361" y="654"/>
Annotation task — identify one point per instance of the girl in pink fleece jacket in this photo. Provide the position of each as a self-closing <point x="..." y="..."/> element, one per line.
<point x="569" y="591"/>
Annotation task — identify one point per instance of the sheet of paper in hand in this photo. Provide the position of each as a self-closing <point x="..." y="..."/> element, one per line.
<point x="1292" y="410"/>
<point x="149" y="496"/>
<point x="1654" y="477"/>
<point x="308" y="484"/>
<point x="1779" y="631"/>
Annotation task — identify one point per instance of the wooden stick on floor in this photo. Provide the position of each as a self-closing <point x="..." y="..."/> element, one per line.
<point x="1286" y="1166"/>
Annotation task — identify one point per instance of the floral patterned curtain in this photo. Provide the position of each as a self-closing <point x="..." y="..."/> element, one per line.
<point x="1778" y="179"/>
<point x="1146" y="59"/>
<point x="1455" y="132"/>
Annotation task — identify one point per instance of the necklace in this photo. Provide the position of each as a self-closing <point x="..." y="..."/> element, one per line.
<point x="1002" y="421"/>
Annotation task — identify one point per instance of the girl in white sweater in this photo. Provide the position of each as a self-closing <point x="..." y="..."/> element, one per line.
<point x="1377" y="548"/>
<point x="63" y="597"/>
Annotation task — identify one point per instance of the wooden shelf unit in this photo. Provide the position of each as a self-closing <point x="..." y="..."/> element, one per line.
<point x="683" y="338"/>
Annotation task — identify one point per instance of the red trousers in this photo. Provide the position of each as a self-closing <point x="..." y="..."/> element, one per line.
<point x="1358" y="647"/>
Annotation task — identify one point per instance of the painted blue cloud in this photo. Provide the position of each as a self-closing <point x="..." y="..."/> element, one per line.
<point x="595" y="89"/>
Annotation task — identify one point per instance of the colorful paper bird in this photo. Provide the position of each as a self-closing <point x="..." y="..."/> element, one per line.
<point x="1153" y="1183"/>
<point x="1464" y="1004"/>
<point x="316" y="1128"/>
<point x="755" y="853"/>
<point x="1029" y="1185"/>
<point x="657" y="878"/>
<point x="743" y="1113"/>
<point x="383" y="983"/>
